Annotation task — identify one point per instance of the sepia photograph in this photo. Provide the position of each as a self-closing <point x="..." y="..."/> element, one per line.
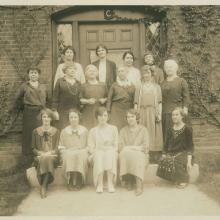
<point x="109" y="109"/>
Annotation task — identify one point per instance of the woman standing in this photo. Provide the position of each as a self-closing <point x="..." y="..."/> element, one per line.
<point x="31" y="98"/>
<point x="176" y="161"/>
<point x="106" y="68"/>
<point x="157" y="72"/>
<point x="133" y="147"/>
<point x="66" y="95"/>
<point x="74" y="152"/>
<point x="103" y="147"/>
<point x="133" y="74"/>
<point x="45" y="141"/>
<point x="120" y="99"/>
<point x="148" y="101"/>
<point x="175" y="93"/>
<point x="93" y="94"/>
<point x="69" y="55"/>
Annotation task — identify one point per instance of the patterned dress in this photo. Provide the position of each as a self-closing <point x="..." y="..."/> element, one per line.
<point x="178" y="145"/>
<point x="45" y="141"/>
<point x="65" y="97"/>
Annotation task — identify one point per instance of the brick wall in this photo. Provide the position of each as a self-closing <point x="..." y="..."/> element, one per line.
<point x="205" y="135"/>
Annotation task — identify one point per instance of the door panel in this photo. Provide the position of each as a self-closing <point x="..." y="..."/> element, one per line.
<point x="118" y="38"/>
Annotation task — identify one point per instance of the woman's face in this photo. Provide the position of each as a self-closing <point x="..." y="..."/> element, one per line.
<point x="33" y="75"/>
<point x="148" y="59"/>
<point x="45" y="119"/>
<point x="122" y="73"/>
<point x="131" y="118"/>
<point x="91" y="72"/>
<point x="69" y="54"/>
<point x="176" y="117"/>
<point x="71" y="72"/>
<point x="146" y="75"/>
<point x="102" y="119"/>
<point x="74" y="118"/>
<point x="101" y="52"/>
<point x="170" y="69"/>
<point x="128" y="60"/>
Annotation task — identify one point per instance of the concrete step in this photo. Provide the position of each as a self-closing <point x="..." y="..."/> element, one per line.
<point x="150" y="176"/>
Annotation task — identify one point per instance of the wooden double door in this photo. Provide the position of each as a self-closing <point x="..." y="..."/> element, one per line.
<point x="118" y="38"/>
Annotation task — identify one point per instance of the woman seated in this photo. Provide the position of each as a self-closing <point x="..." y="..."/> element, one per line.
<point x="103" y="147"/>
<point x="45" y="141"/>
<point x="133" y="157"/>
<point x="178" y="149"/>
<point x="74" y="153"/>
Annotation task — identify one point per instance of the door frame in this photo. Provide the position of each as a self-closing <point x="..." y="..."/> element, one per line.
<point x="59" y="18"/>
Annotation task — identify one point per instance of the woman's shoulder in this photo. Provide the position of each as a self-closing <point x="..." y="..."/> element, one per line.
<point x="82" y="129"/>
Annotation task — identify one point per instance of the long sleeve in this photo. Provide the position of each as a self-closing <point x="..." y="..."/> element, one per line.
<point x="61" y="140"/>
<point x="81" y="74"/>
<point x="19" y="99"/>
<point x="110" y="96"/>
<point x="56" y="141"/>
<point x="34" y="143"/>
<point x="189" y="141"/>
<point x="185" y="93"/>
<point x="56" y="93"/>
<point x="137" y="95"/>
<point x="59" y="74"/>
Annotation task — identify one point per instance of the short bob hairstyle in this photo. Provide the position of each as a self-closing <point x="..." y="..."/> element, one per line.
<point x="147" y="53"/>
<point x="126" y="53"/>
<point x="32" y="69"/>
<point x="48" y="112"/>
<point x="100" y="111"/>
<point x="133" y="112"/>
<point x="182" y="113"/>
<point x="100" y="46"/>
<point x="66" y="67"/>
<point x="74" y="110"/>
<point x="69" y="48"/>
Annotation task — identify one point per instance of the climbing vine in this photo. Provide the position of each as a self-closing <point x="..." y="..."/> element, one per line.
<point x="191" y="34"/>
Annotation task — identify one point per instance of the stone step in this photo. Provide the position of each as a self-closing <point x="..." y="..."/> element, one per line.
<point x="150" y="176"/>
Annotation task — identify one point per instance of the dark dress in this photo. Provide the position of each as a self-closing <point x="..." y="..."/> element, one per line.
<point x="88" y="91"/>
<point x="31" y="100"/>
<point x="43" y="142"/>
<point x="110" y="72"/>
<point x="120" y="99"/>
<point x="178" y="146"/>
<point x="174" y="94"/>
<point x="65" y="97"/>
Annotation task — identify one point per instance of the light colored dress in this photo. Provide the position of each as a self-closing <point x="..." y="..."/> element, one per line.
<point x="103" y="147"/>
<point x="79" y="76"/>
<point x="134" y="76"/>
<point x="75" y="154"/>
<point x="148" y="99"/>
<point x="133" y="161"/>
